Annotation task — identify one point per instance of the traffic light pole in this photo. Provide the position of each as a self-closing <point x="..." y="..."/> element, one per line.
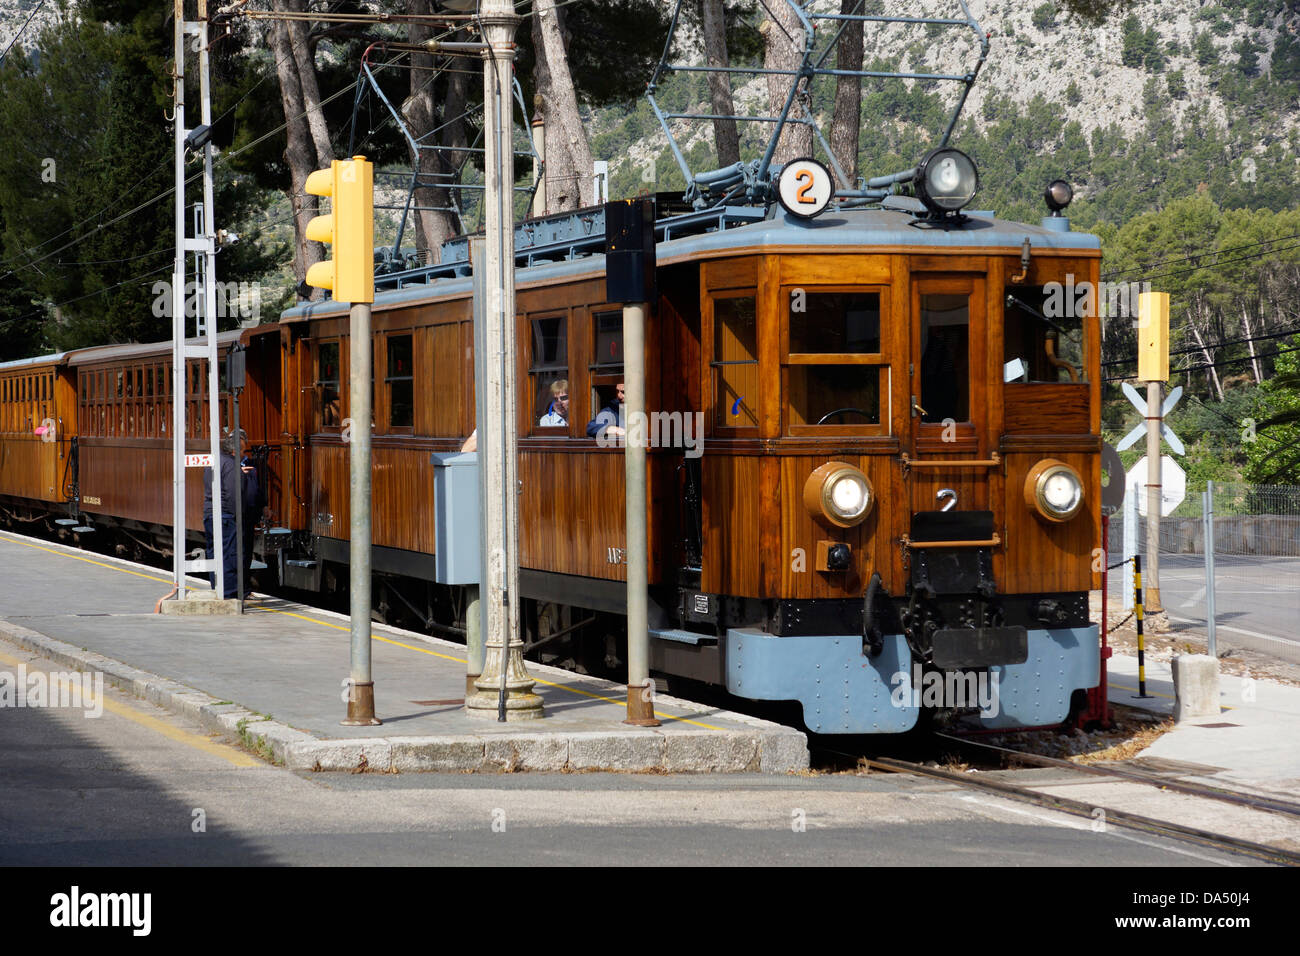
<point x="361" y="688"/>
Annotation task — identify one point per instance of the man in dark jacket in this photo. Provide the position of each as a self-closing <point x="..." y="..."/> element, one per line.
<point x="231" y="445"/>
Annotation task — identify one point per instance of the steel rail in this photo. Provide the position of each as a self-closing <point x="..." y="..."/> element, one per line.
<point x="1132" y="821"/>
<point x="1224" y="794"/>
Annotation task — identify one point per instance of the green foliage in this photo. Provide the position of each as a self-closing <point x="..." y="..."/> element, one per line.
<point x="1044" y="16"/>
<point x="85" y="173"/>
<point x="1204" y="49"/>
<point x="1248" y="53"/>
<point x="1274" y="457"/>
<point x="1141" y="47"/>
<point x="1176" y="85"/>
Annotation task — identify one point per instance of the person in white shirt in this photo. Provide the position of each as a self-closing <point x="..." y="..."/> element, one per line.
<point x="557" y="413"/>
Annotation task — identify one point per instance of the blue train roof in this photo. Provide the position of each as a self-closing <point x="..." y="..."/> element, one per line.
<point x="546" y="251"/>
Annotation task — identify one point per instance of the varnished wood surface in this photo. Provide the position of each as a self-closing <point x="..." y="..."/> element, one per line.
<point x="754" y="524"/>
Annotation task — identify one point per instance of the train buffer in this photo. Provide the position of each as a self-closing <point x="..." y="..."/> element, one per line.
<point x="290" y="661"/>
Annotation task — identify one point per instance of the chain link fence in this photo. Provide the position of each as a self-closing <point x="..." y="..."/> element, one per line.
<point x="1253" y="564"/>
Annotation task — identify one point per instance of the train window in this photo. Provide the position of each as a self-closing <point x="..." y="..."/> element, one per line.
<point x="1043" y="341"/>
<point x="945" y="357"/>
<point x="327" y="381"/>
<point x="549" y="373"/>
<point x="834" y="322"/>
<point x="608" y="327"/>
<point x="735" y="362"/>
<point x="834" y="395"/>
<point x="400" y="382"/>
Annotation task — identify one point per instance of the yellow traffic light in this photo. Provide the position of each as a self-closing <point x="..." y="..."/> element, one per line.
<point x="1153" y="337"/>
<point x="349" y="228"/>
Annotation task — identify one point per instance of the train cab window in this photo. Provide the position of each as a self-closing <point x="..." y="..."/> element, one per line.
<point x="609" y="342"/>
<point x="327" y="384"/>
<point x="548" y="374"/>
<point x="945" y="357"/>
<point x="400" y="382"/>
<point x="1043" y="336"/>
<point x="833" y="379"/>
<point x="735" y="361"/>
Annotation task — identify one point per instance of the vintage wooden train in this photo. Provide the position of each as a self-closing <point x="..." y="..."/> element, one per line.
<point x="897" y="476"/>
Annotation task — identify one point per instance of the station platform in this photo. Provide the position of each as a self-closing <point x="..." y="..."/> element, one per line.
<point x="1253" y="743"/>
<point x="275" y="679"/>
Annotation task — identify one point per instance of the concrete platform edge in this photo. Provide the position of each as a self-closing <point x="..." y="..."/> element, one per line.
<point x="768" y="749"/>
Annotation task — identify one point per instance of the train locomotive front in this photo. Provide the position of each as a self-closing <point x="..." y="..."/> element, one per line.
<point x="899" y="488"/>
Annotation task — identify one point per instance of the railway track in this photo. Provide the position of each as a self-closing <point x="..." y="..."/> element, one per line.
<point x="1222" y="794"/>
<point x="1112" y="815"/>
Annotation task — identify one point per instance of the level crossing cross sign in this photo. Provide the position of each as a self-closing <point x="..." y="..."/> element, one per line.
<point x="1140" y="404"/>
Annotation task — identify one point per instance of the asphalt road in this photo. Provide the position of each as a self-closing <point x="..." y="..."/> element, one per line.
<point x="1255" y="597"/>
<point x="138" y="786"/>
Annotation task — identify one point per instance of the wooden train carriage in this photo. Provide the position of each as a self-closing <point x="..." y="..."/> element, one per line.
<point x="769" y="331"/>
<point x="38" y="420"/>
<point x="124" y="397"/>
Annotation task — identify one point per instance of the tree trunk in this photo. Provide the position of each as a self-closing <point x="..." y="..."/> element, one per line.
<point x="306" y="65"/>
<point x="434" y="223"/>
<point x="725" y="134"/>
<point x="784" y="41"/>
<point x="1209" y="359"/>
<point x="568" y="154"/>
<point x="847" y="119"/>
<point x="1250" y="343"/>
<point x="299" y="154"/>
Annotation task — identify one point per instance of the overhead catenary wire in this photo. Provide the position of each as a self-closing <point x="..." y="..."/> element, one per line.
<point x="226" y="156"/>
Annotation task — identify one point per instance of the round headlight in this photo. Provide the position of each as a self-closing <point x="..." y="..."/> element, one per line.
<point x="1058" y="195"/>
<point x="1054" y="490"/>
<point x="946" y="180"/>
<point x="839" y="494"/>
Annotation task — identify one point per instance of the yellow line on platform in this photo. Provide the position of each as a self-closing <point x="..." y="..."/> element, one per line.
<point x="229" y="754"/>
<point x="461" y="660"/>
<point x="339" y="627"/>
<point x="77" y="557"/>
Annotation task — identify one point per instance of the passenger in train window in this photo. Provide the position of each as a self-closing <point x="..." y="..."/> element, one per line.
<point x="609" y="420"/>
<point x="557" y="413"/>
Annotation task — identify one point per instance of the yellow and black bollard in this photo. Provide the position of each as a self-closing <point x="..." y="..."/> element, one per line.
<point x="1138" y="611"/>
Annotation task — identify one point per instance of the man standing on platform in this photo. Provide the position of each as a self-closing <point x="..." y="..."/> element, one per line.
<point x="231" y="445"/>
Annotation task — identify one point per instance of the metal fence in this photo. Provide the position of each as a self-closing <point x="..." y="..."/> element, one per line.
<point x="1244" y="590"/>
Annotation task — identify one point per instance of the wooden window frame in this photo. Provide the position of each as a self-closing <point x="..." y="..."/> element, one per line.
<point x="389" y="427"/>
<point x="711" y="364"/>
<point x="318" y="413"/>
<point x="879" y="359"/>
<point x="532" y="370"/>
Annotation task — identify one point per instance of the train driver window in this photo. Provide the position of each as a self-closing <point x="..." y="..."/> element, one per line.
<point x="735" y="361"/>
<point x="945" y="357"/>
<point x="833" y="362"/>
<point x="327" y="384"/>
<point x="1044" y="335"/>
<point x="400" y="382"/>
<point x="548" y="374"/>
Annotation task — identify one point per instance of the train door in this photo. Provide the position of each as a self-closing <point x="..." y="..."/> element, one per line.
<point x="950" y="458"/>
